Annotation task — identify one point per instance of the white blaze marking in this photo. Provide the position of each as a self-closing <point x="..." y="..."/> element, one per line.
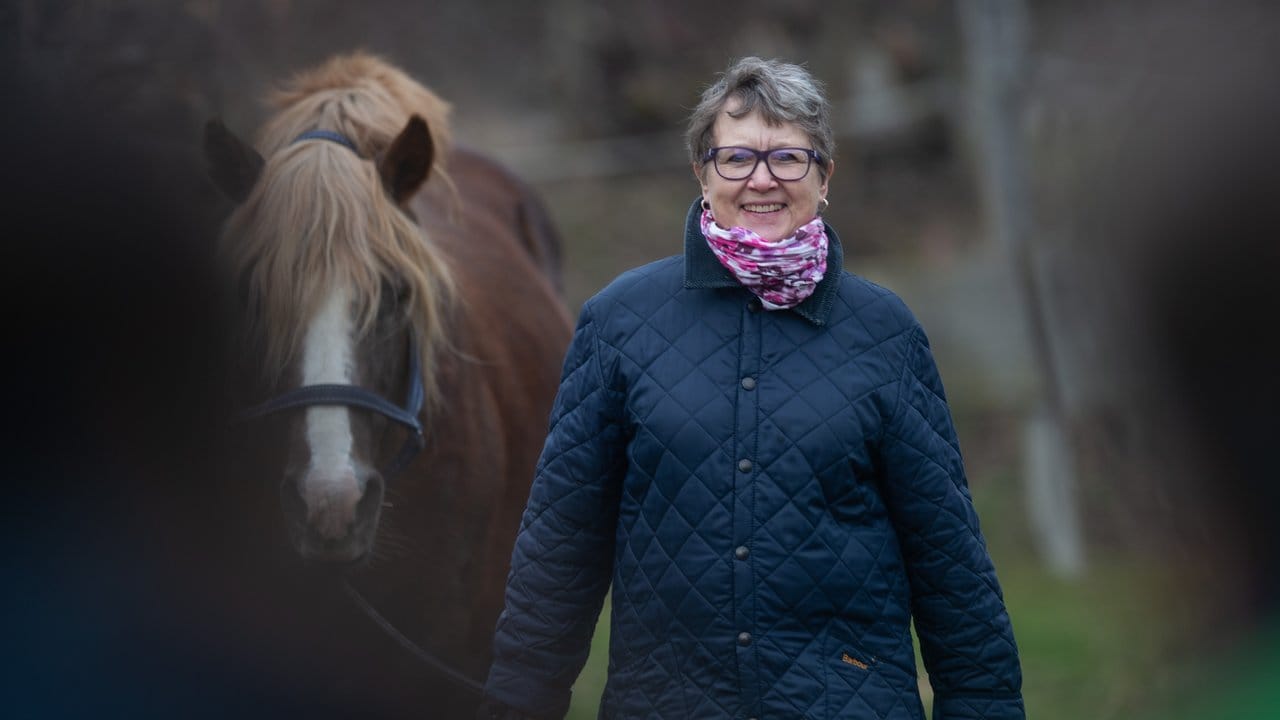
<point x="327" y="358"/>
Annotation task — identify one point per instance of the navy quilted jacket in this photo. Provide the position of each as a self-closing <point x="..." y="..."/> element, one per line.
<point x="774" y="497"/>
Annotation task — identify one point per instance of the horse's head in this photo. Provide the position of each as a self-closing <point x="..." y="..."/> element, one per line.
<point x="342" y="302"/>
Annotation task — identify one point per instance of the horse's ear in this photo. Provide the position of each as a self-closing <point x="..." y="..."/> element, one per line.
<point x="405" y="165"/>
<point x="233" y="166"/>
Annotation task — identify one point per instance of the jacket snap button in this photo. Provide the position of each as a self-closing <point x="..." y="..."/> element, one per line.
<point x="748" y="383"/>
<point x="744" y="465"/>
<point x="744" y="639"/>
<point x="742" y="553"/>
<point x="754" y="305"/>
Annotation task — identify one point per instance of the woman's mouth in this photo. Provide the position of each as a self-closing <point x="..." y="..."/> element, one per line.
<point x="763" y="207"/>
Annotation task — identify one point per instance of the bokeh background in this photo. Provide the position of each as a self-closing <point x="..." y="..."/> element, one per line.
<point x="1072" y="196"/>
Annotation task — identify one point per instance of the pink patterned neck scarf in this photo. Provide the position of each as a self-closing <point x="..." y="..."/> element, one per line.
<point x="783" y="273"/>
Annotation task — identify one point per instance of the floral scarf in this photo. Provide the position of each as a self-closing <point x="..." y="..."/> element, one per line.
<point x="783" y="273"/>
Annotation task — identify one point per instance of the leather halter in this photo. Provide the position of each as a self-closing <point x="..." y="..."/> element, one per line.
<point x="329" y="135"/>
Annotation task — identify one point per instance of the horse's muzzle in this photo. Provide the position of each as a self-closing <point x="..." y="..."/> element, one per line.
<point x="333" y="517"/>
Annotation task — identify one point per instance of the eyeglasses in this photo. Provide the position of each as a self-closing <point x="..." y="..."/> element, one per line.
<point x="785" y="164"/>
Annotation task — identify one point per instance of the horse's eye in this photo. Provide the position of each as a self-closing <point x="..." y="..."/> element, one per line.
<point x="394" y="300"/>
<point x="395" y="290"/>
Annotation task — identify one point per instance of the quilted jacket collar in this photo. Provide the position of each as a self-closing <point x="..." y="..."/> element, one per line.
<point x="703" y="270"/>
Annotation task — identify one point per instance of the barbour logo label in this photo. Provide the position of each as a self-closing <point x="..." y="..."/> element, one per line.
<point x="846" y="657"/>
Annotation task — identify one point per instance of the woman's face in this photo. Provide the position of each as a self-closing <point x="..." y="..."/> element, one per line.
<point x="771" y="208"/>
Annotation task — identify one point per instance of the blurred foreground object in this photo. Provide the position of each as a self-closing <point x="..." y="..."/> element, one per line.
<point x="1185" y="218"/>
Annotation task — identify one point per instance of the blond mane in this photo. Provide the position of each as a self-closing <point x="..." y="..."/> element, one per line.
<point x="319" y="217"/>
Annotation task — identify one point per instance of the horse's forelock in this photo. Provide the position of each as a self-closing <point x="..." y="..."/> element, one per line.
<point x="319" y="218"/>
<point x="361" y="96"/>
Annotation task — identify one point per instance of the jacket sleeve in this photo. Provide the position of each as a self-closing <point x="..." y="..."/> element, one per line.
<point x="966" y="638"/>
<point x="563" y="556"/>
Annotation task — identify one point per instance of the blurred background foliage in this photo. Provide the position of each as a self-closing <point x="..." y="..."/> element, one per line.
<point x="998" y="166"/>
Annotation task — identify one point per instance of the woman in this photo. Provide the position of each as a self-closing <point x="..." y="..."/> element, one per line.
<point x="754" y="447"/>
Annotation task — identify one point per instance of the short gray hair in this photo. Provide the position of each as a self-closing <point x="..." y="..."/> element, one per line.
<point x="782" y="92"/>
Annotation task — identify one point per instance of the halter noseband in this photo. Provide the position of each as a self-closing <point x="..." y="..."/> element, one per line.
<point x="356" y="396"/>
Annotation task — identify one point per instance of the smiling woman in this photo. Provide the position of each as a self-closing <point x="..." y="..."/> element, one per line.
<point x="772" y="198"/>
<point x="752" y="447"/>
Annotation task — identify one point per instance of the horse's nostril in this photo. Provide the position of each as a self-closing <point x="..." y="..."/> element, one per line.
<point x="371" y="502"/>
<point x="291" y="495"/>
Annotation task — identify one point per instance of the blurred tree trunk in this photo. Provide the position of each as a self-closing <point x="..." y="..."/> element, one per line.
<point x="995" y="36"/>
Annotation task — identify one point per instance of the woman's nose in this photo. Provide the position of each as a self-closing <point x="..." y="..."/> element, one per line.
<point x="761" y="178"/>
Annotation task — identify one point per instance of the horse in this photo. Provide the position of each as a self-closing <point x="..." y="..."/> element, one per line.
<point x="373" y="260"/>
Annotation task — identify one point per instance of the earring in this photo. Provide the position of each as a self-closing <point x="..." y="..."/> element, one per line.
<point x="825" y="204"/>
<point x="706" y="204"/>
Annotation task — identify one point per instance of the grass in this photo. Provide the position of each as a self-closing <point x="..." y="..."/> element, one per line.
<point x="1090" y="648"/>
<point x="586" y="691"/>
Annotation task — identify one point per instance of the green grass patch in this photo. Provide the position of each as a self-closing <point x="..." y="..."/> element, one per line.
<point x="1090" y="648"/>
<point x="590" y="684"/>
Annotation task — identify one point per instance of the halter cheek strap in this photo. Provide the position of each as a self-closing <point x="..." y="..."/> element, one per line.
<point x="329" y="135"/>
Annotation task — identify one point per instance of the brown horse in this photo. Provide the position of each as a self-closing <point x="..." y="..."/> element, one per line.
<point x="370" y="254"/>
